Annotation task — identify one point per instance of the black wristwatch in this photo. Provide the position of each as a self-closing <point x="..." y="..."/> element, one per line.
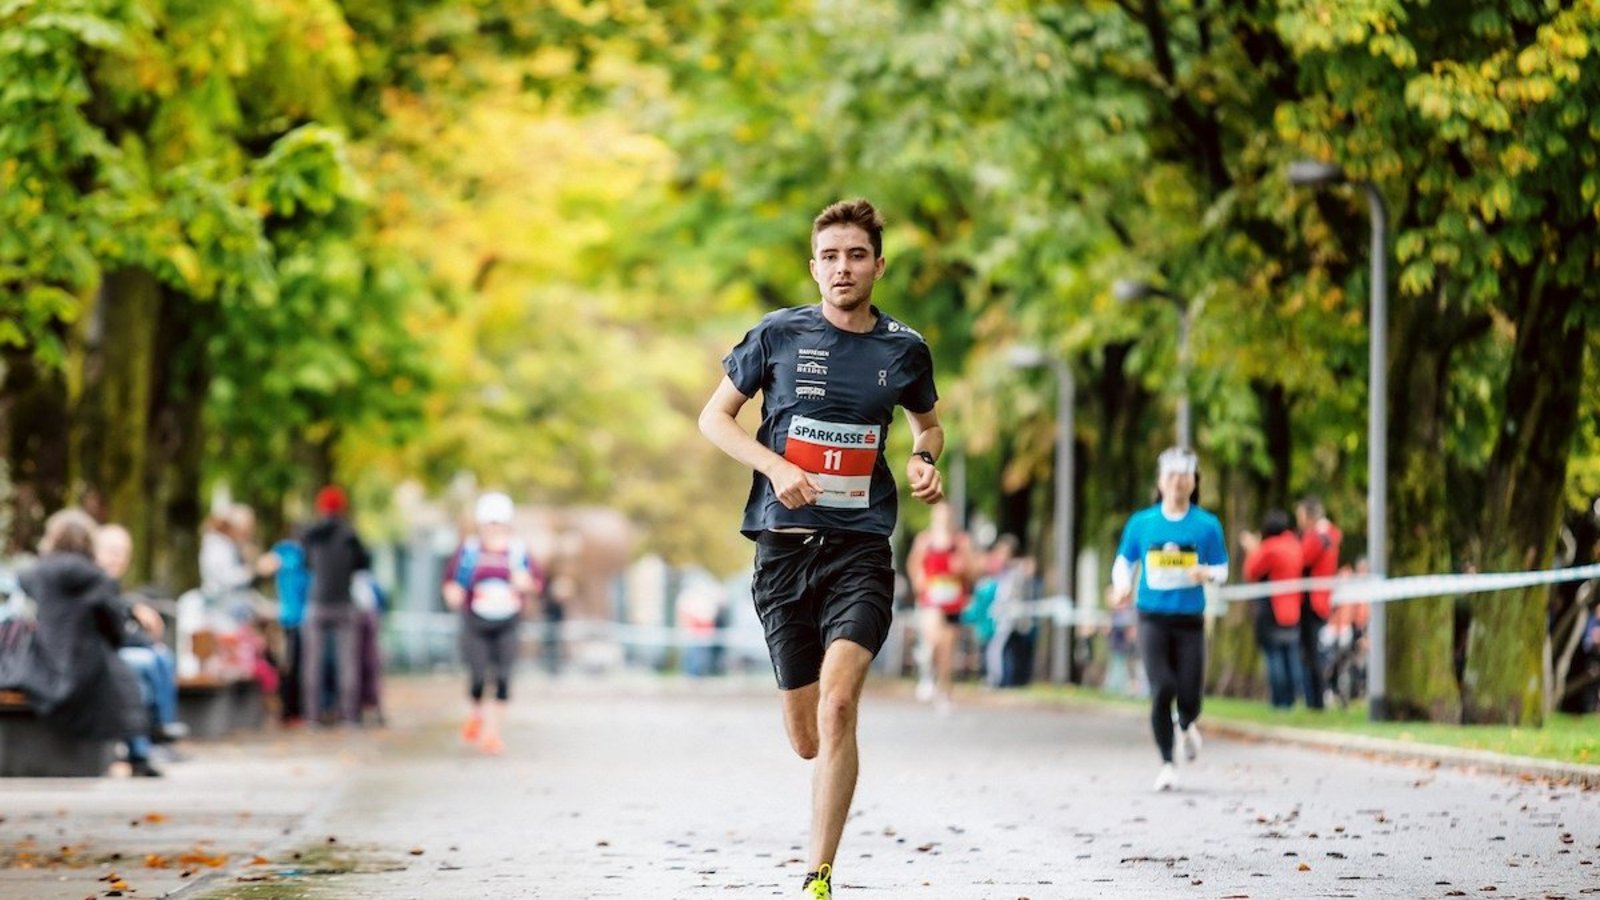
<point x="926" y="457"/>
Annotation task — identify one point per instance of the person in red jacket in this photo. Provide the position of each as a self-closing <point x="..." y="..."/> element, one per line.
<point x="1319" y="549"/>
<point x="1274" y="555"/>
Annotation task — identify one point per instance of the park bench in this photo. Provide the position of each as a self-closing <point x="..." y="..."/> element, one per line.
<point x="214" y="707"/>
<point x="30" y="748"/>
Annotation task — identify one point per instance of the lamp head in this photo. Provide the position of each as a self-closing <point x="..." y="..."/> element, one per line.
<point x="1310" y="173"/>
<point x="1127" y="290"/>
<point x="1026" y="356"/>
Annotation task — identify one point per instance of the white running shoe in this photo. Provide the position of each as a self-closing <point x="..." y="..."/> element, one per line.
<point x="926" y="690"/>
<point x="1166" y="779"/>
<point x="1192" y="742"/>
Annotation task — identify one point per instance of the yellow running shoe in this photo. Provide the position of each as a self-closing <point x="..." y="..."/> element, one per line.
<point x="819" y="884"/>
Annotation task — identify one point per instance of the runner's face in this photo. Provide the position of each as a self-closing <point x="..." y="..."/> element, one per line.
<point x="496" y="536"/>
<point x="1175" y="487"/>
<point x="845" y="267"/>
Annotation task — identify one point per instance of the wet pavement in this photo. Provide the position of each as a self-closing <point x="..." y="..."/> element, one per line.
<point x="644" y="788"/>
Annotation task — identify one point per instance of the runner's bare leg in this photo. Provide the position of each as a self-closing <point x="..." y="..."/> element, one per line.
<point x="800" y="719"/>
<point x="833" y="784"/>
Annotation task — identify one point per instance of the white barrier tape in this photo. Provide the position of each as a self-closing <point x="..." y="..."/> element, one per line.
<point x="1346" y="590"/>
<point x="449" y="623"/>
<point x="1256" y="589"/>
<point x="1411" y="587"/>
<point x="1057" y="609"/>
<point x="1350" y="589"/>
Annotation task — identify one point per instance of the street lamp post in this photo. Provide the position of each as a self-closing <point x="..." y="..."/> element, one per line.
<point x="1031" y="357"/>
<point x="1315" y="174"/>
<point x="1128" y="290"/>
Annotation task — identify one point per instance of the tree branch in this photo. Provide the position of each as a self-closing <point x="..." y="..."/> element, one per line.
<point x="1202" y="126"/>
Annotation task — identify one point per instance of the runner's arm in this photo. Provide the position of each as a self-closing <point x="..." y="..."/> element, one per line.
<point x="1121" y="581"/>
<point x="793" y="486"/>
<point x="926" y="434"/>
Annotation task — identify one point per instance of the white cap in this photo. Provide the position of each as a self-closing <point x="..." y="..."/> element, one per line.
<point x="495" y="508"/>
<point x="1178" y="459"/>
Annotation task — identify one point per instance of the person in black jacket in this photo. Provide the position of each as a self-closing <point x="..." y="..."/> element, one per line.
<point x="74" y="680"/>
<point x="333" y="555"/>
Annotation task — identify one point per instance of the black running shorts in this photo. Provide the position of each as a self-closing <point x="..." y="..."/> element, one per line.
<point x="813" y="589"/>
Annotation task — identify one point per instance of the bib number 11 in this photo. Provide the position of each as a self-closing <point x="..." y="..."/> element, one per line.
<point x="841" y="455"/>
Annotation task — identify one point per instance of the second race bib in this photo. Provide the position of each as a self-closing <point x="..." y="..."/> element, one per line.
<point x="841" y="456"/>
<point x="495" y="600"/>
<point x="1167" y="568"/>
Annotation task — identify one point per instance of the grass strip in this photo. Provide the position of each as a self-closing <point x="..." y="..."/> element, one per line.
<point x="1564" y="738"/>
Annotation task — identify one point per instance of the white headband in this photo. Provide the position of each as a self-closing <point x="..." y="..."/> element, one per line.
<point x="1177" y="460"/>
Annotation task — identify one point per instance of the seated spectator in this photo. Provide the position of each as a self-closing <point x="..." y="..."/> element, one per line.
<point x="141" y="646"/>
<point x="227" y="573"/>
<point x="230" y="568"/>
<point x="74" y="680"/>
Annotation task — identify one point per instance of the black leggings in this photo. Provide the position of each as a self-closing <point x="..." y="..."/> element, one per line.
<point x="1174" y="649"/>
<point x="489" y="645"/>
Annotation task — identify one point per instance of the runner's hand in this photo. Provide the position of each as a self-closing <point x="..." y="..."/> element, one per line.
<point x="926" y="485"/>
<point x="454" y="596"/>
<point x="795" y="487"/>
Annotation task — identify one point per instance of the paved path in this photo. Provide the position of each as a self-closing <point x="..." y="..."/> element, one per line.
<point x="645" y="789"/>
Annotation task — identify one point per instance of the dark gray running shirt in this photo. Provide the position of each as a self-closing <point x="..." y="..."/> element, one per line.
<point x="827" y="399"/>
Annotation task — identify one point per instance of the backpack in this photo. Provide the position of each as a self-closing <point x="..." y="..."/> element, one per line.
<point x="468" y="563"/>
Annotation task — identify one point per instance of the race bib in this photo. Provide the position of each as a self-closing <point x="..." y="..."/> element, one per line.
<point x="1167" y="568"/>
<point x="841" y="456"/>
<point x="495" y="600"/>
<point x="945" y="591"/>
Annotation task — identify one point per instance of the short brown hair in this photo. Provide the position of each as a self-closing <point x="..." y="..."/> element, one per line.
<point x="856" y="212"/>
<point x="70" y="530"/>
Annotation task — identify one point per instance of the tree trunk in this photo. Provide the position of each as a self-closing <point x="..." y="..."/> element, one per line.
<point x="1421" y="678"/>
<point x="1119" y="453"/>
<point x="1503" y="678"/>
<point x="109" y="440"/>
<point x="174" y="473"/>
<point x="1233" y="660"/>
<point x="1279" y="436"/>
<point x="33" y="437"/>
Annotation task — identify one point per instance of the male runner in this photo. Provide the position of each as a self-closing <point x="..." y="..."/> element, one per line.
<point x="823" y="501"/>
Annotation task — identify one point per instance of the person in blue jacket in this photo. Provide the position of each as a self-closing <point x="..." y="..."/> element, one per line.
<point x="294" y="583"/>
<point x="1177" y="547"/>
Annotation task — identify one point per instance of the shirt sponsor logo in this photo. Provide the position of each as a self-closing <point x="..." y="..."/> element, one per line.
<point x="810" y="392"/>
<point x="833" y="435"/>
<point x="807" y="351"/>
<point x="808" y="367"/>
